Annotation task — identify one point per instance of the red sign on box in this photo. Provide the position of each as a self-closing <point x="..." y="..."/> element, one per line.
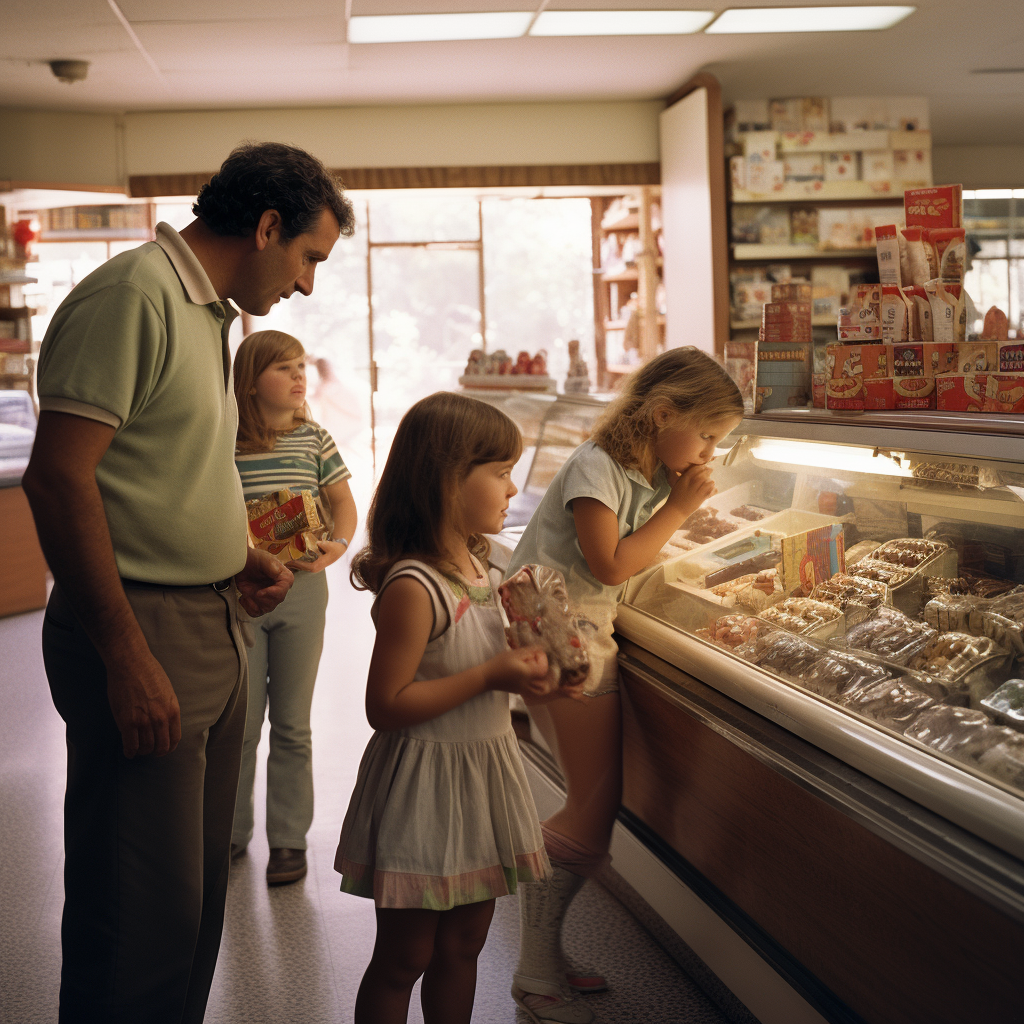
<point x="980" y="392"/>
<point x="938" y="207"/>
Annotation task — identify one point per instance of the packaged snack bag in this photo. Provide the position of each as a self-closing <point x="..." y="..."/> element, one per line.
<point x="288" y="524"/>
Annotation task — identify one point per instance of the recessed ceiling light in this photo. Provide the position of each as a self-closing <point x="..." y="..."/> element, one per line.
<point x="619" y="23"/>
<point x="417" y="28"/>
<point x="807" y="19"/>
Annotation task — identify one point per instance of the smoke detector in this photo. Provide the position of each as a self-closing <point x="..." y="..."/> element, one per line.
<point x="69" y="70"/>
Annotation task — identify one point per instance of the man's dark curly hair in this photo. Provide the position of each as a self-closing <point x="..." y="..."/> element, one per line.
<point x="260" y="176"/>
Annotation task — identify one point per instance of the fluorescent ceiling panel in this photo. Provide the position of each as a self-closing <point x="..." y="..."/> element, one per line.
<point x="619" y="23"/>
<point x="419" y="28"/>
<point x="807" y="19"/>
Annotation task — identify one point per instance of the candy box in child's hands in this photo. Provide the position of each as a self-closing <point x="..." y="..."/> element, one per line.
<point x="537" y="606"/>
<point x="289" y="524"/>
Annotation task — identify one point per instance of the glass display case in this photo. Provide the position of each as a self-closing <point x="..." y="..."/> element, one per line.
<point x="860" y="582"/>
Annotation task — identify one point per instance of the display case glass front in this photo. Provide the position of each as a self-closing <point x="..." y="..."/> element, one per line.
<point x="863" y="584"/>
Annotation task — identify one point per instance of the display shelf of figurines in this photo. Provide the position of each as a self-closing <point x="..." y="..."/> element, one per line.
<point x="809" y="180"/>
<point x="17" y="353"/>
<point x="629" y="297"/>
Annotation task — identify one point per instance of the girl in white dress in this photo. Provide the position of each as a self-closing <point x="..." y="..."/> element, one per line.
<point x="441" y="820"/>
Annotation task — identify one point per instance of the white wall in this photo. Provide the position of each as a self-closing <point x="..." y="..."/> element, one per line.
<point x="84" y="148"/>
<point x="688" y="272"/>
<point x="979" y="166"/>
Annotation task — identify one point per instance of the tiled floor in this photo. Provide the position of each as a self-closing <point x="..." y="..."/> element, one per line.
<point x="293" y="954"/>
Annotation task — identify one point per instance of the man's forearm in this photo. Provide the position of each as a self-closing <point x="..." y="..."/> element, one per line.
<point x="73" y="533"/>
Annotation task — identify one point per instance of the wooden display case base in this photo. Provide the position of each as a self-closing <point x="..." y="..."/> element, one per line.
<point x="24" y="586"/>
<point x="822" y="859"/>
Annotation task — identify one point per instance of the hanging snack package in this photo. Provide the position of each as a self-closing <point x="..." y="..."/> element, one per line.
<point x="537" y="605"/>
<point x="288" y="524"/>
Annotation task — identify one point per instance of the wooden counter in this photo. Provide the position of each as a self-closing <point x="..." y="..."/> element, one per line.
<point x="24" y="568"/>
<point x="894" y="940"/>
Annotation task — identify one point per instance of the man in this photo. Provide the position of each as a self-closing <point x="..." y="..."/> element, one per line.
<point x="140" y="514"/>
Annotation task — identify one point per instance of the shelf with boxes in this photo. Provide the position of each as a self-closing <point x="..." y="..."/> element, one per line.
<point x="910" y="342"/>
<point x="17" y="356"/>
<point x="811" y="178"/>
<point x="629" y="299"/>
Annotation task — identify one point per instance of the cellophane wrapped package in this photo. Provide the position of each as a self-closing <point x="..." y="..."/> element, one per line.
<point x="539" y="614"/>
<point x="288" y="524"/>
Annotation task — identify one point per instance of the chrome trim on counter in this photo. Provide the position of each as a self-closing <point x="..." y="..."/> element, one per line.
<point x="949" y="433"/>
<point x="980" y="807"/>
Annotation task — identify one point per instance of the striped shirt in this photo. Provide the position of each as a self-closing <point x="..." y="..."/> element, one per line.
<point x="305" y="458"/>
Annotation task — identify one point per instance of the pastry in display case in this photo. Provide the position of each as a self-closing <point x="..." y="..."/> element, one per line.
<point x="872" y="588"/>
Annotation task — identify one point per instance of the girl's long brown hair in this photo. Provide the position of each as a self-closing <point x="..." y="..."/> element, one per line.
<point x="440" y="439"/>
<point x="258" y="351"/>
<point x="684" y="379"/>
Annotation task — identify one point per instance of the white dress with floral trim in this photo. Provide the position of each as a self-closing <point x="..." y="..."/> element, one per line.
<point x="442" y="814"/>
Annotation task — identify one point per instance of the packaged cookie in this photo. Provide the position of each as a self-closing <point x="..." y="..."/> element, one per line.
<point x="1006" y="704"/>
<point x="961" y="732"/>
<point x="952" y="654"/>
<point x="852" y="595"/>
<point x="707" y="524"/>
<point x="910" y="552"/>
<point x="890" y="635"/>
<point x="802" y="615"/>
<point x="732" y="631"/>
<point x="755" y="591"/>
<point x="751" y="513"/>
<point x="289" y="524"/>
<point x="783" y="653"/>
<point x="894" y="703"/>
<point x="837" y="672"/>
<point x="955" y="475"/>
<point x="880" y="571"/>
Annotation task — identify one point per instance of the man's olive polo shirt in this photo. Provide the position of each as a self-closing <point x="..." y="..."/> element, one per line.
<point x="142" y="345"/>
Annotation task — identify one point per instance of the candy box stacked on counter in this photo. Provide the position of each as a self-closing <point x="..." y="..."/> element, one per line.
<point x="784" y="350"/>
<point x="980" y="392"/>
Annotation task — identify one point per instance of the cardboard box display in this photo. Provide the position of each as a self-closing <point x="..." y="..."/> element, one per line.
<point x="765" y="178"/>
<point x="814" y="114"/>
<point x="980" y="392"/>
<point x="842" y="166"/>
<point x="862" y="332"/>
<point x="1011" y="356"/>
<point x="786" y="115"/>
<point x="803" y="226"/>
<point x="818" y="390"/>
<point x="941" y="206"/>
<point x="791" y="291"/>
<point x="877" y="165"/>
<point x="759" y="147"/>
<point x="899" y="393"/>
<point x="870" y="360"/>
<point x="844" y="393"/>
<point x="751" y="116"/>
<point x="779" y="396"/>
<point x="738" y="172"/>
<point x="804" y="167"/>
<point x="775" y="227"/>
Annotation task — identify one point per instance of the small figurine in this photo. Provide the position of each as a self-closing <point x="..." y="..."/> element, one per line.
<point x="523" y="363"/>
<point x="475" y="365"/>
<point x="539" y="366"/>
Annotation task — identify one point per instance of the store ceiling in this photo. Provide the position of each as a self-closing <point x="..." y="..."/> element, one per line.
<point x="204" y="54"/>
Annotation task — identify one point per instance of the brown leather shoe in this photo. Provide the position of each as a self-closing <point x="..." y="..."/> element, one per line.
<point x="286" y="866"/>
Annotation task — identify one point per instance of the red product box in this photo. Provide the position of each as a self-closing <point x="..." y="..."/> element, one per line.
<point x="818" y="390"/>
<point x="787" y="309"/>
<point x="774" y="334"/>
<point x="924" y="359"/>
<point x="844" y="393"/>
<point x="863" y="332"/>
<point x="941" y="206"/>
<point x="1011" y="357"/>
<point x="1009" y="394"/>
<point x="899" y="393"/>
<point x="972" y="392"/>
<point x="791" y="291"/>
<point x="871" y="360"/>
<point x="15" y="345"/>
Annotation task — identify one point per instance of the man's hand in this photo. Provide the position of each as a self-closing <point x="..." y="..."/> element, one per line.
<point x="144" y="706"/>
<point x="263" y="583"/>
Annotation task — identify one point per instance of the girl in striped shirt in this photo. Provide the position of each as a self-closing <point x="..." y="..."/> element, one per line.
<point x="280" y="446"/>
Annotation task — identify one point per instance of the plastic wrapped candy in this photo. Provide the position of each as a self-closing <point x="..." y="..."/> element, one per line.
<point x="288" y="524"/>
<point x="537" y="605"/>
